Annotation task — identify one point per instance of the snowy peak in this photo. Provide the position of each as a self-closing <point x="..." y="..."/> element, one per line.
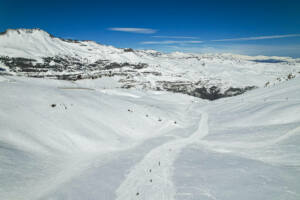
<point x="36" y="43"/>
<point x="27" y="43"/>
<point x="23" y="31"/>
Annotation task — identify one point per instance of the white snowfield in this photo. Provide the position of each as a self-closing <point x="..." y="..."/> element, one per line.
<point x="207" y="70"/>
<point x="63" y="140"/>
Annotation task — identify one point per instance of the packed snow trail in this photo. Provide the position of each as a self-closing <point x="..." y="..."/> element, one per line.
<point x="152" y="177"/>
<point x="112" y="144"/>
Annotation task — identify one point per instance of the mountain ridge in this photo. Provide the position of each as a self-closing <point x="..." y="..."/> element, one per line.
<point x="36" y="53"/>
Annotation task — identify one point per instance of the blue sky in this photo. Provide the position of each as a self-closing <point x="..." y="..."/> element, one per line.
<point x="245" y="27"/>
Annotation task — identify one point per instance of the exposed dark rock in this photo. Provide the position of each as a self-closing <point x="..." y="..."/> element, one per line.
<point x="128" y="50"/>
<point x="153" y="73"/>
<point x="290" y="76"/>
<point x="270" y="61"/>
<point x="127" y="86"/>
<point x="193" y="89"/>
<point x="236" y="91"/>
<point x="74" y="68"/>
<point x="69" y="40"/>
<point x="113" y="65"/>
<point x="267" y="84"/>
<point x="71" y="66"/>
<point x="140" y="66"/>
<point x="204" y="93"/>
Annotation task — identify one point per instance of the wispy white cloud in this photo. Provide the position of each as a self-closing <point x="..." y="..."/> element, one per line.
<point x="134" y="30"/>
<point x="245" y="49"/>
<point x="257" y="38"/>
<point x="174" y="37"/>
<point x="173" y="42"/>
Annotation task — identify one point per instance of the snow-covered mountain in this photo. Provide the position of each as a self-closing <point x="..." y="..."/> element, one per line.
<point x="66" y="141"/>
<point x="36" y="53"/>
<point x="111" y="130"/>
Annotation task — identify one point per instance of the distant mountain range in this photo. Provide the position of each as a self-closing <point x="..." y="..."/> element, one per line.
<point x="36" y="53"/>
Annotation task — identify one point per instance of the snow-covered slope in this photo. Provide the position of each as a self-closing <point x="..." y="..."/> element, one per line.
<point x="36" y="43"/>
<point x="35" y="53"/>
<point x="77" y="140"/>
<point x="94" y="139"/>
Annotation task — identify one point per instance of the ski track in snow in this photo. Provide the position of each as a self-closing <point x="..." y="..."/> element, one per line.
<point x="152" y="177"/>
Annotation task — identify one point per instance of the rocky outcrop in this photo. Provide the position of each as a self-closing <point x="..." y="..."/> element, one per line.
<point x="72" y="69"/>
<point x="210" y="93"/>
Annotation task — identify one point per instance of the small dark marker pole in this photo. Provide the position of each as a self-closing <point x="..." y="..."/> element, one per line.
<point x="137" y="194"/>
<point x="158" y="163"/>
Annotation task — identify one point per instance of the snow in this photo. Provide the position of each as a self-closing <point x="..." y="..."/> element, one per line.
<point x="101" y="142"/>
<point x="221" y="70"/>
<point x="159" y="160"/>
<point x="90" y="139"/>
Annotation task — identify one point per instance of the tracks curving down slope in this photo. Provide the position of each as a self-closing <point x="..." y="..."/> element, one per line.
<point x="152" y="177"/>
